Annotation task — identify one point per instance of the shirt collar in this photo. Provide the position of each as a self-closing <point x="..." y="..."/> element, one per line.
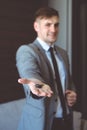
<point x="44" y="45"/>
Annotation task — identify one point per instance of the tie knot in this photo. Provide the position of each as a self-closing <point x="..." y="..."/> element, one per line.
<point x="51" y="49"/>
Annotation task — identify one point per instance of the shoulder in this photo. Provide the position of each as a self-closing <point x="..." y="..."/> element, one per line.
<point x="63" y="53"/>
<point x="26" y="51"/>
<point x="24" y="48"/>
<point x="60" y="50"/>
<point x="28" y="47"/>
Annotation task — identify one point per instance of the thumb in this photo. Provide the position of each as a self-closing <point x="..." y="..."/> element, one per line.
<point x="23" y="81"/>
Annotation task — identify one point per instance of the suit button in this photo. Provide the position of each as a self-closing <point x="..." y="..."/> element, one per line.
<point x="56" y="100"/>
<point x="54" y="113"/>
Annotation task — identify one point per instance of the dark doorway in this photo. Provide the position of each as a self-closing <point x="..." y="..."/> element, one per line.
<point x="16" y="28"/>
<point x="79" y="56"/>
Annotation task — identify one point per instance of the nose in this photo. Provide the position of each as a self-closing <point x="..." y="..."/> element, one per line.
<point x="53" y="28"/>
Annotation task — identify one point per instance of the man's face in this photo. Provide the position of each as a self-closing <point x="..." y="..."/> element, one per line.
<point x="47" y="29"/>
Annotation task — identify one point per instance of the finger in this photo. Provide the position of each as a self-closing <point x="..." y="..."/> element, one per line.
<point x="23" y="81"/>
<point x="67" y="91"/>
<point x="71" y="103"/>
<point x="48" y="91"/>
<point x="41" y="93"/>
<point x="45" y="92"/>
<point x="71" y="99"/>
<point x="49" y="95"/>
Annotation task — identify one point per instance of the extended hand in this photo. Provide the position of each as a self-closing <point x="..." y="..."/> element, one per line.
<point x="44" y="90"/>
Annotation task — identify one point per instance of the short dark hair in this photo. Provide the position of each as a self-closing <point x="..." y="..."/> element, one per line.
<point x="46" y="12"/>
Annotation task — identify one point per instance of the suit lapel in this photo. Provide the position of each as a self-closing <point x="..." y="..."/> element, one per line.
<point x="65" y="62"/>
<point x="41" y="52"/>
<point x="62" y="55"/>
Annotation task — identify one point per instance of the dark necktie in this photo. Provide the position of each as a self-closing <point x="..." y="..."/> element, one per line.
<point x="59" y="86"/>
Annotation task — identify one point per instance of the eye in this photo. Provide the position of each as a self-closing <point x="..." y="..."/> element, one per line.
<point x="48" y="24"/>
<point x="57" y="25"/>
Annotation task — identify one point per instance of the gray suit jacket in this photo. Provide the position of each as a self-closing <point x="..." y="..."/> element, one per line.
<point x="32" y="62"/>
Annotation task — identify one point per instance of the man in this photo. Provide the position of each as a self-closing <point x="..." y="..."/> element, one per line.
<point x="43" y="109"/>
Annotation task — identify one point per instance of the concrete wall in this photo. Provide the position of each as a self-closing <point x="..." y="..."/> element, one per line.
<point x="65" y="36"/>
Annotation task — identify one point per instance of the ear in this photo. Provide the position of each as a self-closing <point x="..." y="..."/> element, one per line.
<point x="36" y="26"/>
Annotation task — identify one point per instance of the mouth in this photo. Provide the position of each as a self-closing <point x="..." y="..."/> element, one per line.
<point x="53" y="35"/>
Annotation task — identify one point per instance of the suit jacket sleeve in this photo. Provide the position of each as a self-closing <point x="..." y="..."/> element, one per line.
<point x="27" y="65"/>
